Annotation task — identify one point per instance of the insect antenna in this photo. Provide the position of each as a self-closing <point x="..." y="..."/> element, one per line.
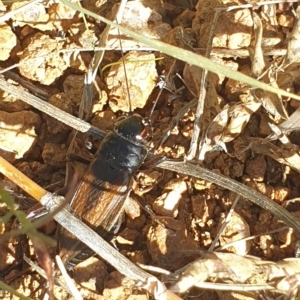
<point x="118" y="21"/>
<point x="161" y="87"/>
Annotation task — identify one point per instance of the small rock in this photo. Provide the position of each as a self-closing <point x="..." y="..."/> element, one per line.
<point x="141" y="20"/>
<point x="286" y="237"/>
<point x="219" y="78"/>
<point x="141" y="77"/>
<point x="8" y="41"/>
<point x="281" y="193"/>
<point x="184" y="19"/>
<point x="271" y="36"/>
<point x="286" y="20"/>
<point x="179" y="37"/>
<point x="7" y="252"/>
<point x="54" y="155"/>
<point x="167" y="204"/>
<point x="264" y="128"/>
<point x="171" y="250"/>
<point x="132" y="208"/>
<point x="10" y="103"/>
<point x="17" y="132"/>
<point x="127" y="237"/>
<point x="265" y="241"/>
<point x="140" y="256"/>
<point x="236" y="229"/>
<point x="62" y="16"/>
<point x="256" y="168"/>
<point x="26" y="31"/>
<point x="264" y="188"/>
<point x="120" y="288"/>
<point x="63" y="103"/>
<point x="237" y="169"/>
<point x="34" y="15"/>
<point x="234" y="89"/>
<point x="148" y="178"/>
<point x="234" y="29"/>
<point x="91" y="274"/>
<point x="104" y="120"/>
<point x="137" y="223"/>
<point x="73" y="87"/>
<point x="201" y="184"/>
<point x="41" y="60"/>
<point x="203" y="206"/>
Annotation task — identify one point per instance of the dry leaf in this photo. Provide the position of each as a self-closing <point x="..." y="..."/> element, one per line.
<point x="215" y="131"/>
<point x="215" y="265"/>
<point x="239" y="117"/>
<point x="270" y="101"/>
<point x="255" y="50"/>
<point x="282" y="275"/>
<point x="293" y="47"/>
<point x="288" y="157"/>
<point x="293" y="122"/>
<point x="230" y="122"/>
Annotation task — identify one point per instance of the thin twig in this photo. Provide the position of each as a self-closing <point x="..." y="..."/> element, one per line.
<point x="233" y="287"/>
<point x="87" y="95"/>
<point x="224" y="224"/>
<point x="51" y="110"/>
<point x="240" y="189"/>
<point x="185" y="168"/>
<point x="41" y="271"/>
<point x="33" y="88"/>
<point x="201" y="102"/>
<point x="187" y="56"/>
<point x="69" y="282"/>
<point x="66" y="218"/>
<point x="252" y="237"/>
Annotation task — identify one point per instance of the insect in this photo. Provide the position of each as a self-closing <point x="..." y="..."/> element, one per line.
<point x="101" y="194"/>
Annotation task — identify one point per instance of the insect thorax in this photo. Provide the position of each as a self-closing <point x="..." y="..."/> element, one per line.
<point x="122" y="153"/>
